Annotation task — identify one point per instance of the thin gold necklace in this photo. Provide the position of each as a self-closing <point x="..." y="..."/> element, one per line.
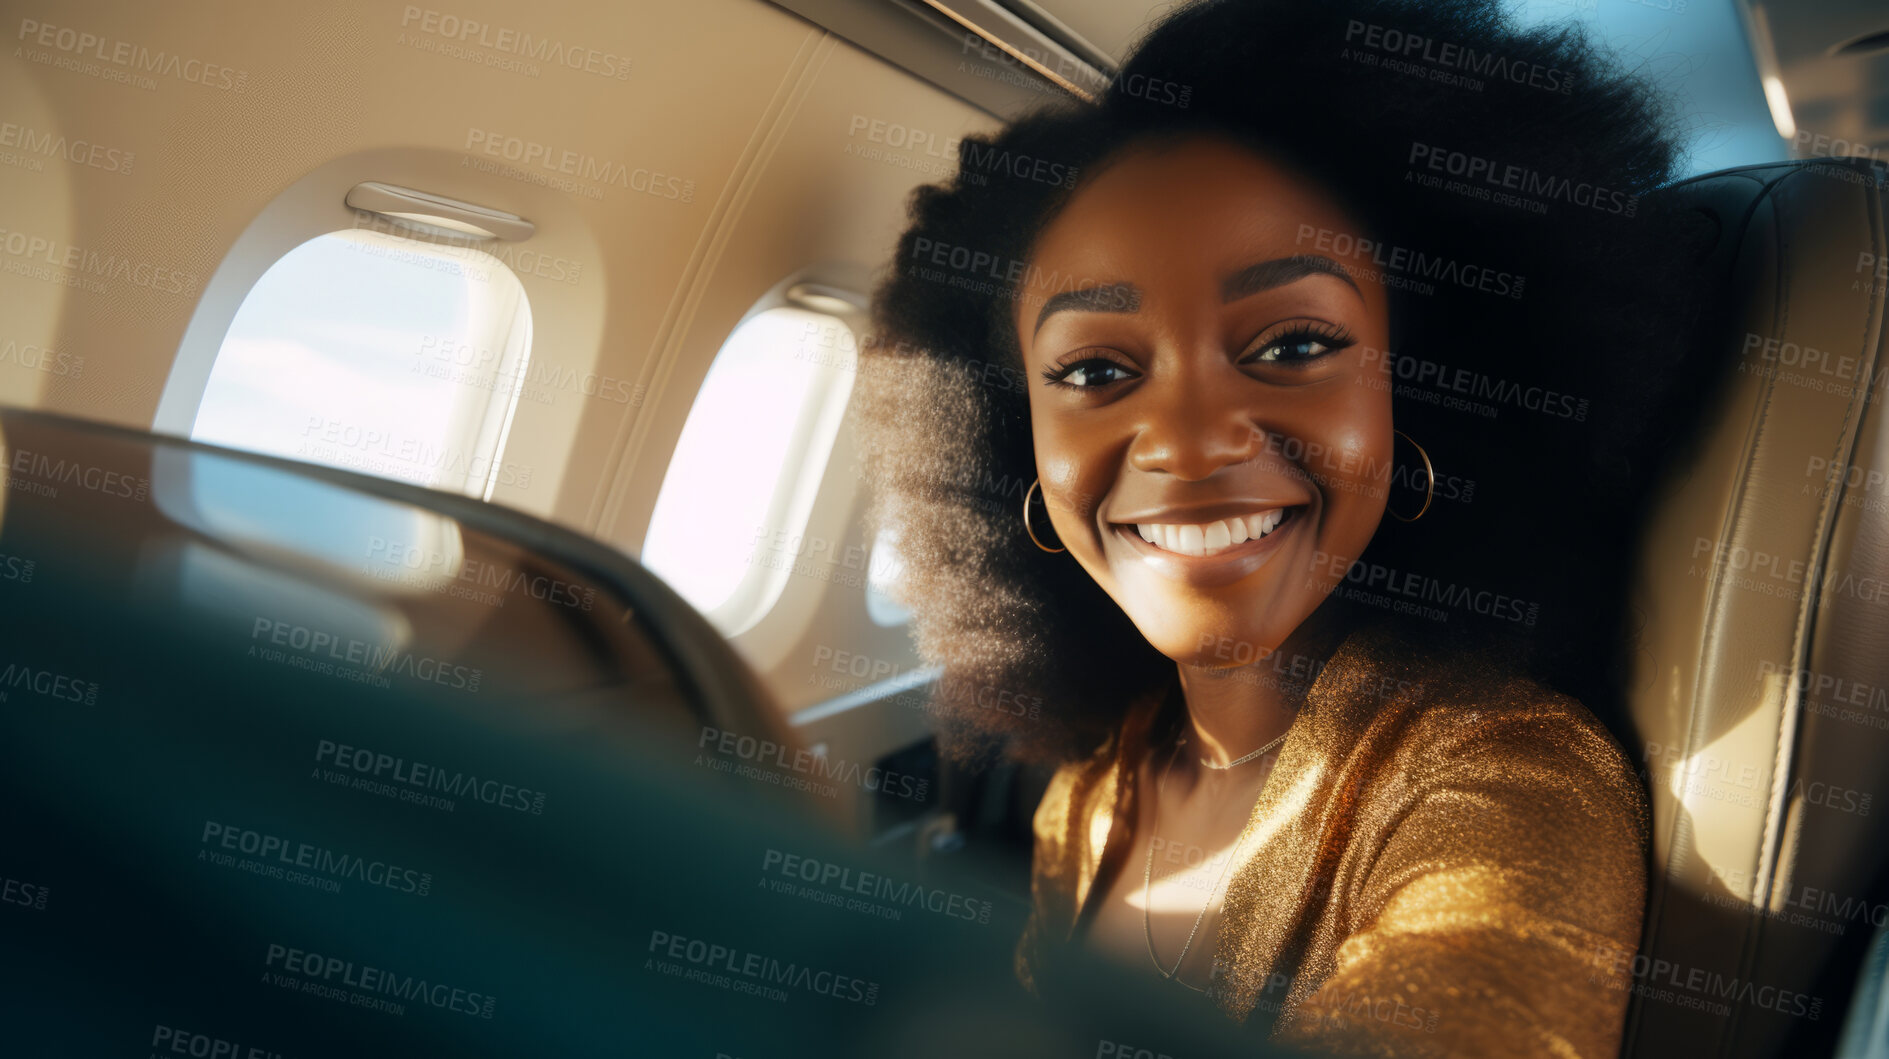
<point x="1243" y="760"/>
<point x="1147" y="869"/>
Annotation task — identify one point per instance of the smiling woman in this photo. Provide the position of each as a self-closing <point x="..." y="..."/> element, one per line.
<point x="1172" y="403"/>
<point x="1348" y="754"/>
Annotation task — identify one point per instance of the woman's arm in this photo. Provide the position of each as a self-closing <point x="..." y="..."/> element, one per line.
<point x="1504" y="902"/>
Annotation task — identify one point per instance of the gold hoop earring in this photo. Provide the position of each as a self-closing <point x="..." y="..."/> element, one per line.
<point x="1026" y="518"/>
<point x="1429" y="479"/>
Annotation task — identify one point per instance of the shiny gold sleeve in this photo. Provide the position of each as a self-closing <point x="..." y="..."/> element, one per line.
<point x="1508" y="882"/>
<point x="1052" y="881"/>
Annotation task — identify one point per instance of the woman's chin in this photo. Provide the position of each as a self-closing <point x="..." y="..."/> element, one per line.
<point x="1214" y="647"/>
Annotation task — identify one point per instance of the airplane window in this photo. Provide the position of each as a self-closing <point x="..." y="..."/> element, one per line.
<point x="882" y="575"/>
<point x="378" y="354"/>
<point x="750" y="458"/>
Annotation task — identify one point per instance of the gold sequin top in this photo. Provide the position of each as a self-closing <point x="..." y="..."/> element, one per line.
<point x="1442" y="862"/>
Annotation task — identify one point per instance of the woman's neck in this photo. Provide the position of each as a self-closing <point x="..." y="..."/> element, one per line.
<point x="1234" y="711"/>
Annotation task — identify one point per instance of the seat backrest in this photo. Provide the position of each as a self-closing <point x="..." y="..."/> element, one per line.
<point x="1760" y="693"/>
<point x="338" y="766"/>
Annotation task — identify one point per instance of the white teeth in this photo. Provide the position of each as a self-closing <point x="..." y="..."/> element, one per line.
<point x="1211" y="537"/>
<point x="1193" y="540"/>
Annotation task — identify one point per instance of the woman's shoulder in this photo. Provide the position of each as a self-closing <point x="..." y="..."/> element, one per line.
<point x="1083" y="790"/>
<point x="1475" y="717"/>
<point x="1471" y="710"/>
<point x="1076" y="788"/>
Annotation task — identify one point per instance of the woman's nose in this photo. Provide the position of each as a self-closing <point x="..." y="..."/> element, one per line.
<point x="1195" y="428"/>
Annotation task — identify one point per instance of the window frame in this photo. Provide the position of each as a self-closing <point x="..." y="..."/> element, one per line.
<point x="821" y="501"/>
<point x="812" y="445"/>
<point x="486" y="423"/>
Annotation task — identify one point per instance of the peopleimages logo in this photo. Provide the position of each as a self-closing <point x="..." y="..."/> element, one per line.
<point x="377" y="659"/>
<point x="60" y="471"/>
<point x="412" y="459"/>
<point x="758" y="968"/>
<point x="953" y="690"/>
<point x="982" y="264"/>
<point x="421" y="776"/>
<point x="1428" y="375"/>
<point x="501" y="576"/>
<point x="986" y="158"/>
<point x="1802" y="905"/>
<point x="330" y="975"/>
<point x="131" y="58"/>
<point x="22" y="893"/>
<point x="41" y="359"/>
<point x="1404" y="268"/>
<point x="873" y="885"/>
<point x="54" y="145"/>
<point x="1449" y="55"/>
<point x="284" y="853"/>
<point x="17" y="676"/>
<point x="1659" y="979"/>
<point x="975" y="160"/>
<point x="1295" y="668"/>
<point x="1770" y="574"/>
<point x="450" y="254"/>
<point x="578" y="165"/>
<point x="1808" y="362"/>
<point x="764" y="753"/>
<point x="1827" y="687"/>
<point x="1521" y="180"/>
<point x="473" y="33"/>
<point x="1423" y="589"/>
<point x="171" y="1040"/>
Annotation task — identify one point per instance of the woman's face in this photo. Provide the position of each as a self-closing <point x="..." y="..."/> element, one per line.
<point x="1209" y="395"/>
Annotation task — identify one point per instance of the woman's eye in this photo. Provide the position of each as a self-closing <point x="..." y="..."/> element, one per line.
<point x="1298" y="348"/>
<point x="1088" y="374"/>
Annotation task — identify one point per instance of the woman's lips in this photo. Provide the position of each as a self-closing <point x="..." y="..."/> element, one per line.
<point x="1196" y="552"/>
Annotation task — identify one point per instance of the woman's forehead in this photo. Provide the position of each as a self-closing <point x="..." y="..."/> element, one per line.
<point x="1184" y="204"/>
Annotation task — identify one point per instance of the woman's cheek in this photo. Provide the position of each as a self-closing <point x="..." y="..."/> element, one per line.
<point x="1358" y="495"/>
<point x="1352" y="467"/>
<point x="1363" y="480"/>
<point x="1068" y="496"/>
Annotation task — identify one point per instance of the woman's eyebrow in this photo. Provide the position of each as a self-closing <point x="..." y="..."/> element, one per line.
<point x="1278" y="272"/>
<point x="1126" y="297"/>
<point x="1110" y="298"/>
